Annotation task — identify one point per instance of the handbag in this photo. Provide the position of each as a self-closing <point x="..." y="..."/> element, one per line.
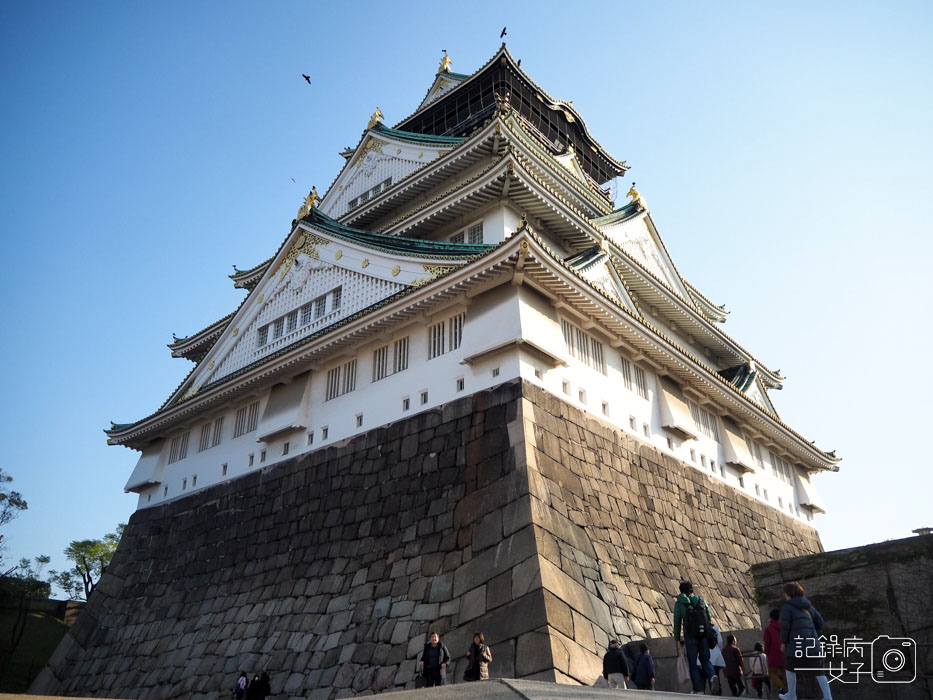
<point x="471" y="673"/>
<point x="683" y="671"/>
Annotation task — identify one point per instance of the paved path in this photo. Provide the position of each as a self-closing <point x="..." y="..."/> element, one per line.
<point x="496" y="689"/>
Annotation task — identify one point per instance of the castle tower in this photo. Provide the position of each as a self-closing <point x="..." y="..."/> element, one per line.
<point x="466" y="392"/>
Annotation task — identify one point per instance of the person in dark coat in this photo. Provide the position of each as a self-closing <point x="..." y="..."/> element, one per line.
<point x="734" y="669"/>
<point x="643" y="671"/>
<point x="434" y="661"/>
<point x="615" y="665"/>
<point x="800" y="627"/>
<point x="772" y="638"/>
<point x="479" y="656"/>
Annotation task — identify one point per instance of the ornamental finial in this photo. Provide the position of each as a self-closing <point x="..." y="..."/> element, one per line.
<point x="445" y="63"/>
<point x="375" y="119"/>
<point x="636" y="197"/>
<point x="310" y="203"/>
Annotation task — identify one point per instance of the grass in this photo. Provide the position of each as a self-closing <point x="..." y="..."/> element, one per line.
<point x="42" y="635"/>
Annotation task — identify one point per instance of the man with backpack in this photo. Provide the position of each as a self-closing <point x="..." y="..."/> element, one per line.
<point x="692" y="613"/>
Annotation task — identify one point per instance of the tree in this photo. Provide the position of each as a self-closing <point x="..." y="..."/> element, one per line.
<point x="21" y="583"/>
<point x="90" y="558"/>
<point x="11" y="504"/>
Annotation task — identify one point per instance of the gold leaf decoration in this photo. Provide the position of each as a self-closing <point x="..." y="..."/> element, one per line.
<point x="366" y="262"/>
<point x="437" y="270"/>
<point x="396" y="270"/>
<point x="306" y="243"/>
<point x="236" y="332"/>
<point x="210" y="365"/>
<point x="338" y="255"/>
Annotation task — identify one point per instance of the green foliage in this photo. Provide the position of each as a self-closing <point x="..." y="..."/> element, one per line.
<point x="11" y="502"/>
<point x="90" y="558"/>
<point x="21" y="665"/>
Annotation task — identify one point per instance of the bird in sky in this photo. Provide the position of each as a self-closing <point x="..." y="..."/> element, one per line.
<point x="293" y="180"/>
<point x="307" y="78"/>
<point x="503" y="33"/>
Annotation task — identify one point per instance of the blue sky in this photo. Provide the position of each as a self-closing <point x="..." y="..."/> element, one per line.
<point x="784" y="150"/>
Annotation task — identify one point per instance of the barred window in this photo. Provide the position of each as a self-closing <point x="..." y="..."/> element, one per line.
<point x="218" y="431"/>
<point x="400" y="355"/>
<point x="456" y="330"/>
<point x="178" y="450"/>
<point x="584" y="347"/>
<point x="263" y="336"/>
<point x="475" y="234"/>
<point x="306" y="312"/>
<point x="341" y="380"/>
<point x="436" y="340"/>
<point x="337" y="297"/>
<point x="705" y="421"/>
<point x="320" y="306"/>
<point x="640" y="383"/>
<point x="291" y="321"/>
<point x="205" y="441"/>
<point x="755" y="451"/>
<point x="380" y="363"/>
<point x="247" y="418"/>
<point x="457" y="238"/>
<point x="278" y="327"/>
<point x="626" y="373"/>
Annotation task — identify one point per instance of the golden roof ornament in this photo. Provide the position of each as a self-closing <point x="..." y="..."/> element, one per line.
<point x="636" y="196"/>
<point x="375" y="119"/>
<point x="310" y="203"/>
<point x="445" y="63"/>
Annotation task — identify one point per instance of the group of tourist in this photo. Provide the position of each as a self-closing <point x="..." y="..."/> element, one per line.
<point x="259" y="688"/>
<point x="435" y="659"/>
<point x="791" y="645"/>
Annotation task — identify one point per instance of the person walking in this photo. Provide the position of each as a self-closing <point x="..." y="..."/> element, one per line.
<point x="734" y="668"/>
<point x="691" y="612"/>
<point x="239" y="690"/>
<point x="615" y="665"/>
<point x="758" y="667"/>
<point x="434" y="661"/>
<point x="773" y="653"/>
<point x="800" y="626"/>
<point x="717" y="662"/>
<point x="480" y="656"/>
<point x="643" y="672"/>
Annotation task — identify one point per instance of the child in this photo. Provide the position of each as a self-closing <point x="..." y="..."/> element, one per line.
<point x="734" y="671"/>
<point x="643" y="675"/>
<point x="758" y="664"/>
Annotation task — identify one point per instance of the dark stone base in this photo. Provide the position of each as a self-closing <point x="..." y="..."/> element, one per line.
<point x="508" y="511"/>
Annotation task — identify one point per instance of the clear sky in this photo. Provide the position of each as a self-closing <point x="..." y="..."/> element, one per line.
<point x="784" y="150"/>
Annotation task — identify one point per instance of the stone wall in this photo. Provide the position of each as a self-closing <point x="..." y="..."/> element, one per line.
<point x="866" y="592"/>
<point x="508" y="511"/>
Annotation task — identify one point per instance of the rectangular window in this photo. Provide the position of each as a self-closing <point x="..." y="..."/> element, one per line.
<point x="640" y="382"/>
<point x="670" y="444"/>
<point x="337" y="298"/>
<point x="324" y="431"/>
<point x="246" y="419"/>
<point x="581" y="394"/>
<point x="565" y="385"/>
<point x="646" y="430"/>
<point x="349" y="376"/>
<point x="755" y="452"/>
<point x="632" y="423"/>
<point x="359" y="420"/>
<point x="406" y="403"/>
<point x="306" y="312"/>
<point x="251" y="460"/>
<point x="311" y="438"/>
<point x="475" y="234"/>
<point x="194" y="480"/>
<point x="218" y="431"/>
<point x="380" y="363"/>
<point x="333" y="384"/>
<point x="178" y="450"/>
<point x="278" y="327"/>
<point x="184" y="484"/>
<point x="262" y="456"/>
<point x="285" y="449"/>
<point x="627" y="373"/>
<point x="584" y="347"/>
<point x="456" y="330"/>
<point x="424" y="397"/>
<point x="460" y="384"/>
<point x="605" y="408"/>
<point x="693" y="455"/>
<point x="223" y="470"/>
<point x="705" y="422"/>
<point x="400" y="355"/>
<point x="291" y="321"/>
<point x="538" y="373"/>
<point x="703" y="461"/>
<point x="712" y="465"/>
<point x="436" y="340"/>
<point x="495" y="372"/>
<point x="457" y="238"/>
<point x="205" y="440"/>
<point x="320" y="306"/>
<point x="263" y="336"/>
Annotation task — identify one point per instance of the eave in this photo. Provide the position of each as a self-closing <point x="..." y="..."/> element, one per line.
<point x="196" y="346"/>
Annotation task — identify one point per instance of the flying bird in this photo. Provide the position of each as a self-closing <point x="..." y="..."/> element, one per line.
<point x="307" y="78"/>
<point x="503" y="33"/>
<point x="293" y="180"/>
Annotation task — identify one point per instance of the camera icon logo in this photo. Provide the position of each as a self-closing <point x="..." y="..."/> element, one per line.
<point x="893" y="659"/>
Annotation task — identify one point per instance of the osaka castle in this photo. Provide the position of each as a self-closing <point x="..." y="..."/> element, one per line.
<point x="474" y="243"/>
